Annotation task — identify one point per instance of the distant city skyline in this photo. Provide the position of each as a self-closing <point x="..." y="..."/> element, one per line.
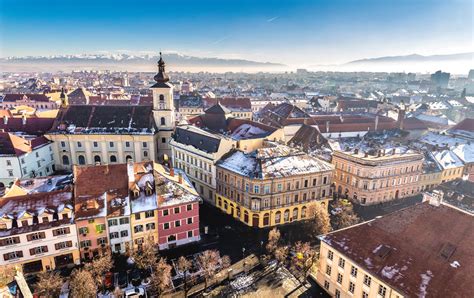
<point x="296" y="33"/>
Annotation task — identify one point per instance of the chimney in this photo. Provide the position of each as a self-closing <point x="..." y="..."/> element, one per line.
<point x="376" y="122"/>
<point x="180" y="178"/>
<point x="366" y="154"/>
<point x="401" y="118"/>
<point x="5" y="119"/>
<point x="356" y="151"/>
<point x="130" y="172"/>
<point x="379" y="153"/>
<point x="23" y="119"/>
<point x="434" y="198"/>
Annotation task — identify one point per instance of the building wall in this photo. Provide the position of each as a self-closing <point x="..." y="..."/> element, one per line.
<point x="74" y="146"/>
<point x="93" y="235"/>
<point x="139" y="218"/>
<point x="123" y="243"/>
<point x="50" y="240"/>
<point x="378" y="181"/>
<point x="451" y="174"/>
<point x="183" y="234"/>
<point x="39" y="162"/>
<point x="260" y="202"/>
<point x="43" y="105"/>
<point x="199" y="166"/>
<point x="429" y="180"/>
<point x="330" y="281"/>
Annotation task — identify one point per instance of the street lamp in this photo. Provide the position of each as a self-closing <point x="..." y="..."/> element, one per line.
<point x="243" y="257"/>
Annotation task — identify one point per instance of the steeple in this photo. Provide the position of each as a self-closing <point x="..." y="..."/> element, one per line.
<point x="63" y="98"/>
<point x="161" y="76"/>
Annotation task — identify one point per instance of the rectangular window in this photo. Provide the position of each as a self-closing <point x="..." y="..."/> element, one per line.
<point x="351" y="287"/>
<point x="127" y="144"/>
<point x="189" y="207"/>
<point x="124" y="220"/>
<point x="102" y="241"/>
<point x="176" y="210"/>
<point x="328" y="270"/>
<point x="339" y="278"/>
<point x="63" y="144"/>
<point x="137" y="216"/>
<point x="166" y="226"/>
<point x="165" y="212"/>
<point x="145" y="144"/>
<point x="150" y="226"/>
<point x="266" y="189"/>
<point x="10" y="241"/>
<point x="79" y="144"/>
<point x="114" y="235"/>
<point x="85" y="243"/>
<point x="95" y="144"/>
<point x="111" y="144"/>
<point x="190" y="220"/>
<point x="354" y="271"/>
<point x="190" y="234"/>
<point x="342" y="262"/>
<point x="382" y="290"/>
<point x="63" y="245"/>
<point x="177" y="223"/>
<point x="84" y="230"/>
<point x="61" y="231"/>
<point x="325" y="180"/>
<point x="99" y="228"/>
<point x="330" y="255"/>
<point x="149" y="213"/>
<point x="256" y="189"/>
<point x="124" y="233"/>
<point x="9" y="163"/>
<point x="112" y="222"/>
<point x="138" y="228"/>
<point x="326" y="285"/>
<point x="337" y="294"/>
<point x="367" y="280"/>
<point x="365" y="295"/>
<point x="13" y="255"/>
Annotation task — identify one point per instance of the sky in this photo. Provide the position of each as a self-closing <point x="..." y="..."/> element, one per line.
<point x="300" y="33"/>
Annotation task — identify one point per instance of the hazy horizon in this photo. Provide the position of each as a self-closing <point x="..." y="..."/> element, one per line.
<point x="297" y="33"/>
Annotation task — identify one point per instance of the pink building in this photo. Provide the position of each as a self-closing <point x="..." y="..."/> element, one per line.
<point x="178" y="210"/>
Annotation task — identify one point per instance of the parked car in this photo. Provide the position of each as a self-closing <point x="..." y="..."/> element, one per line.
<point x="122" y="279"/>
<point x="135" y="292"/>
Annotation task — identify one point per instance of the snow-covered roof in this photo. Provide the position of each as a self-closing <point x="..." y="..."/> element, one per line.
<point x="273" y="161"/>
<point x="465" y="152"/>
<point x="447" y="159"/>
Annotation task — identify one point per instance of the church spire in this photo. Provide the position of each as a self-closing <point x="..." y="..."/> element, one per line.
<point x="161" y="76"/>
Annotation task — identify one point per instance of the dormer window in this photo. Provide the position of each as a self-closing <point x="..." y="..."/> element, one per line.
<point x="45" y="219"/>
<point x="55" y="216"/>
<point x="24" y="223"/>
<point x="148" y="189"/>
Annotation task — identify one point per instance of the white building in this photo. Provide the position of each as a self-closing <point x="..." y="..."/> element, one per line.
<point x="24" y="158"/>
<point x="118" y="224"/>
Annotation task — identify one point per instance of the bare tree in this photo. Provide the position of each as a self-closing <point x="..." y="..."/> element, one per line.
<point x="306" y="257"/>
<point x="145" y="257"/>
<point x="161" y="277"/>
<point x="49" y="284"/>
<point x="82" y="284"/>
<point x="209" y="262"/>
<point x="98" y="267"/>
<point x="273" y="240"/>
<point x="345" y="218"/>
<point x="7" y="275"/>
<point x="184" y="265"/>
<point x="281" y="254"/>
<point x="225" y="264"/>
<point x="319" y="222"/>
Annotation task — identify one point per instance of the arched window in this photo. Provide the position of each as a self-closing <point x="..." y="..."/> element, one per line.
<point x="82" y="160"/>
<point x="162" y="121"/>
<point x="128" y="158"/>
<point x="162" y="97"/>
<point x="287" y="215"/>
<point x="97" y="159"/>
<point x="303" y="212"/>
<point x="277" y="217"/>
<point x="113" y="158"/>
<point x="295" y="214"/>
<point x="65" y="160"/>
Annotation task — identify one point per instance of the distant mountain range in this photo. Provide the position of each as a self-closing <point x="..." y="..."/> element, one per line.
<point x="129" y="62"/>
<point x="414" y="58"/>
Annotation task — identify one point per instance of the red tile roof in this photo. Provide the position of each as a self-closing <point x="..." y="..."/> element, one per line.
<point x="19" y="96"/>
<point x="423" y="250"/>
<point x="33" y="126"/>
<point x="467" y="125"/>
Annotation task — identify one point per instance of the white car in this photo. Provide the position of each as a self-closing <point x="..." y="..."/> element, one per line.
<point x="135" y="292"/>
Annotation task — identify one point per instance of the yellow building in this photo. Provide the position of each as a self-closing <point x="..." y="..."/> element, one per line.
<point x="37" y="232"/>
<point x="144" y="203"/>
<point x="271" y="186"/>
<point x="375" y="178"/>
<point x="408" y="253"/>
<point x="452" y="167"/>
<point x="89" y="135"/>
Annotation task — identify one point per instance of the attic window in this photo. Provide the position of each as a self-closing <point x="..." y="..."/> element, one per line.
<point x="447" y="251"/>
<point x="383" y="251"/>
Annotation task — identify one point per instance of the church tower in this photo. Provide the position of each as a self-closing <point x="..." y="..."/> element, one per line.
<point x="64" y="100"/>
<point x="163" y="109"/>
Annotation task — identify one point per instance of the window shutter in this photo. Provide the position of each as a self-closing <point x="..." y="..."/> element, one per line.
<point x="20" y="254"/>
<point x="42" y="235"/>
<point x="56" y="246"/>
<point x="6" y="257"/>
<point x="28" y="237"/>
<point x="69" y="243"/>
<point x="2" y="242"/>
<point x="55" y="232"/>
<point x="44" y="249"/>
<point x="32" y="251"/>
<point x="16" y="239"/>
<point x="68" y="230"/>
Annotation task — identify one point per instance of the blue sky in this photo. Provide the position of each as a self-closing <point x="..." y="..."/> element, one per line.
<point x="293" y="32"/>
